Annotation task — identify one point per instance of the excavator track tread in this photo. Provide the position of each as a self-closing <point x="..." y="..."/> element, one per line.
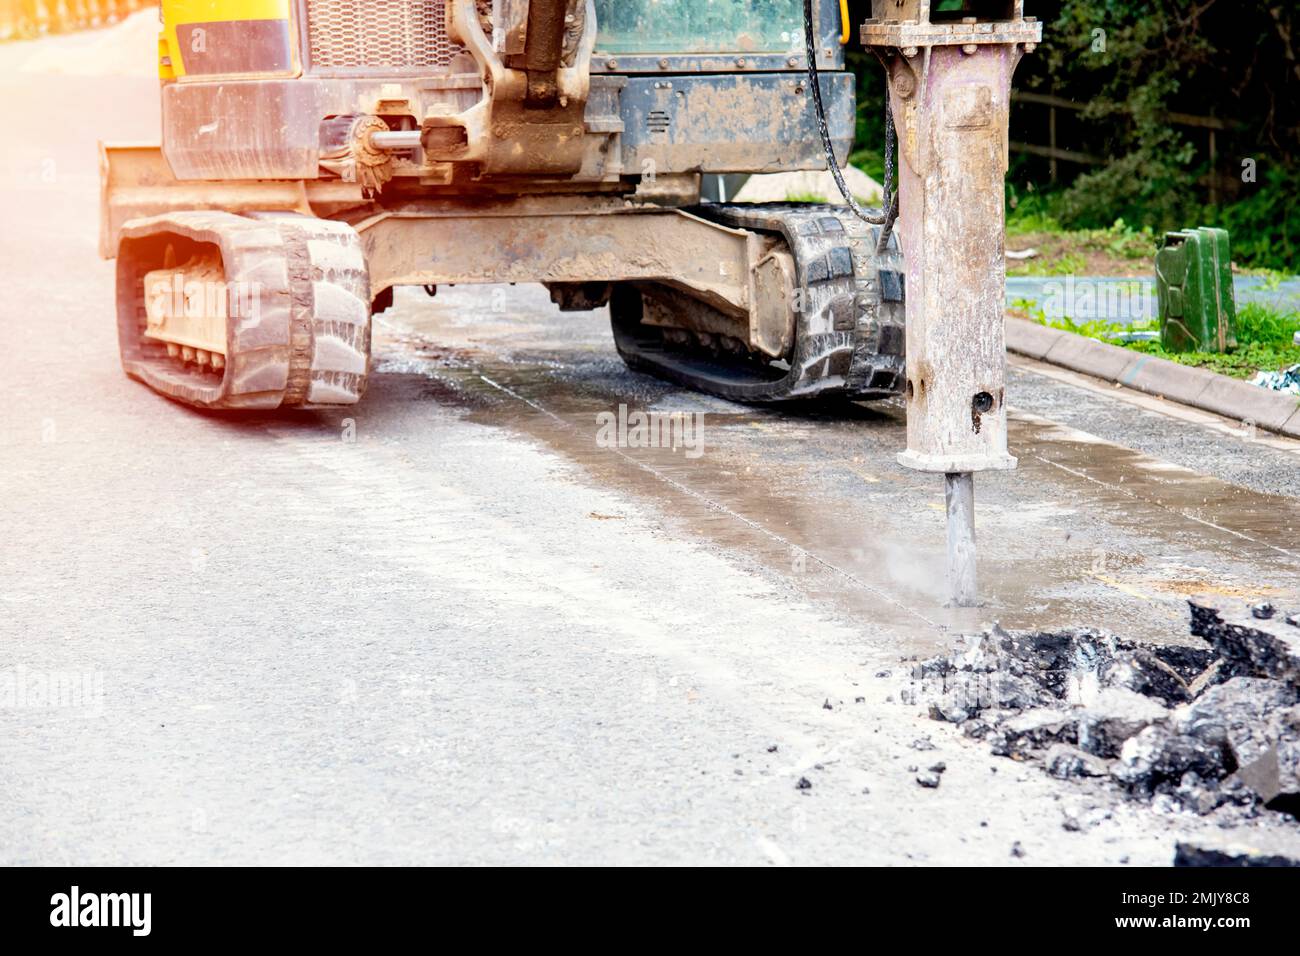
<point x="307" y="343"/>
<point x="849" y="334"/>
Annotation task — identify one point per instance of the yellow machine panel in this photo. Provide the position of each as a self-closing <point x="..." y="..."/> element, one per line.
<point x="226" y="38"/>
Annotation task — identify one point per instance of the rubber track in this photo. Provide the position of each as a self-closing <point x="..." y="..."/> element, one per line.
<point x="849" y="337"/>
<point x="307" y="343"/>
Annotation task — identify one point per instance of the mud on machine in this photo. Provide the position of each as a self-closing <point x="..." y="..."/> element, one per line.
<point x="317" y="154"/>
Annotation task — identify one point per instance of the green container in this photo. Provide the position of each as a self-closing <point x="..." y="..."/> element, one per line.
<point x="1198" y="312"/>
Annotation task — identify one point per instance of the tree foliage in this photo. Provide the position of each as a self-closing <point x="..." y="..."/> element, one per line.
<point x="1138" y="69"/>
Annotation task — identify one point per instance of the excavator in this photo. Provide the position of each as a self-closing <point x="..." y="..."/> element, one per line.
<point x="318" y="154"/>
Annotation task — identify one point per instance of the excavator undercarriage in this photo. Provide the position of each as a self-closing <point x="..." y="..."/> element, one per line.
<point x="539" y="141"/>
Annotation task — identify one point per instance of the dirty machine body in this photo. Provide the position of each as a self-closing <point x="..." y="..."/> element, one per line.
<point x="319" y="154"/>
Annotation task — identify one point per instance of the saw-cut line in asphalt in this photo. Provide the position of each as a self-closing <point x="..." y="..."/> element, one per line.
<point x="723" y="509"/>
<point x="1151" y="403"/>
<point x="1038" y="419"/>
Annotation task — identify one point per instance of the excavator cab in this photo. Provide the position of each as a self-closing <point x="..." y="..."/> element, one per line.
<point x="732" y="26"/>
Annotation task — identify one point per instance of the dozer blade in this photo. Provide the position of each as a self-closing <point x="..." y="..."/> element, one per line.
<point x="135" y="182"/>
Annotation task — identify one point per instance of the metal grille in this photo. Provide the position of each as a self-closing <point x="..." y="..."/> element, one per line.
<point x="382" y="34"/>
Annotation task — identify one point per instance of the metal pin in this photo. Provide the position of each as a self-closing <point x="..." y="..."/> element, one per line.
<point x="959" y="495"/>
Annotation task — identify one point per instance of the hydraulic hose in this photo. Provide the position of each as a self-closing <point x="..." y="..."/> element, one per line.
<point x="889" y="214"/>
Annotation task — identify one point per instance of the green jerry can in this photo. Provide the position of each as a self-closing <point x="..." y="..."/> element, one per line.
<point x="1198" y="312"/>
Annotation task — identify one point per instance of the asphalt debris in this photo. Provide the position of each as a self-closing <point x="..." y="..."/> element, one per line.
<point x="1241" y="847"/>
<point x="1250" y="645"/>
<point x="1211" y="729"/>
<point x="1070" y="763"/>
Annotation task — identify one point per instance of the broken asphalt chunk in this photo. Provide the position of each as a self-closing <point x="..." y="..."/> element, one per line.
<point x="1208" y="729"/>
<point x="1141" y="671"/>
<point x="1113" y="717"/>
<point x="1067" y="763"/>
<point x="1263" y="612"/>
<point x="1250" y="645"/>
<point x="1025" y="733"/>
<point x="1157" y="755"/>
<point x="1239" y="848"/>
<point x="1258" y="722"/>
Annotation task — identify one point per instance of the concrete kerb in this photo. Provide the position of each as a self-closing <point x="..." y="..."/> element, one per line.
<point x="1196" y="387"/>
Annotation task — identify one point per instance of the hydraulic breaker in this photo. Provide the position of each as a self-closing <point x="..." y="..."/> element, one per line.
<point x="949" y="76"/>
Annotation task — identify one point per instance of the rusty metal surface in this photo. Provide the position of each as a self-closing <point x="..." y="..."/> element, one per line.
<point x="910" y="25"/>
<point x="735" y="123"/>
<point x="135" y="183"/>
<point x="907" y="35"/>
<point x="543" y="50"/>
<point x="950" y="96"/>
<point x="561" y="240"/>
<point x="507" y="132"/>
<point x="951" y="109"/>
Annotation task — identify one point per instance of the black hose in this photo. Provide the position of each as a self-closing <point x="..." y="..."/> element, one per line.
<point x="890" y="185"/>
<point x="887" y="217"/>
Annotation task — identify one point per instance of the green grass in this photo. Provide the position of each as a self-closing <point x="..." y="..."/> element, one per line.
<point x="1243" y="362"/>
<point x="1119" y="249"/>
<point x="1030" y="213"/>
<point x="1264" y="339"/>
<point x="1266" y="326"/>
<point x="1120" y="240"/>
<point x="1065" y="264"/>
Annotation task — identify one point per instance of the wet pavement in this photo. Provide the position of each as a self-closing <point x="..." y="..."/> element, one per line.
<point x="1087" y="530"/>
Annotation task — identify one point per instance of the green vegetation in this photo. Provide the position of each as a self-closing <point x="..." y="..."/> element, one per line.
<point x="1149" y="79"/>
<point x="1264" y="339"/>
<point x="1119" y="250"/>
<point x="1136" y="67"/>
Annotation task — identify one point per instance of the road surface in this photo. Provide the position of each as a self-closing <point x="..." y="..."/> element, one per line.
<point x="454" y="626"/>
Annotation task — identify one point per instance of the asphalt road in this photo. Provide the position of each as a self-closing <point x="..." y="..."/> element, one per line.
<point x="450" y="626"/>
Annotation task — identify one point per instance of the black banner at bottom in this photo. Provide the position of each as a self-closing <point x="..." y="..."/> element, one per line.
<point x="134" y="906"/>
